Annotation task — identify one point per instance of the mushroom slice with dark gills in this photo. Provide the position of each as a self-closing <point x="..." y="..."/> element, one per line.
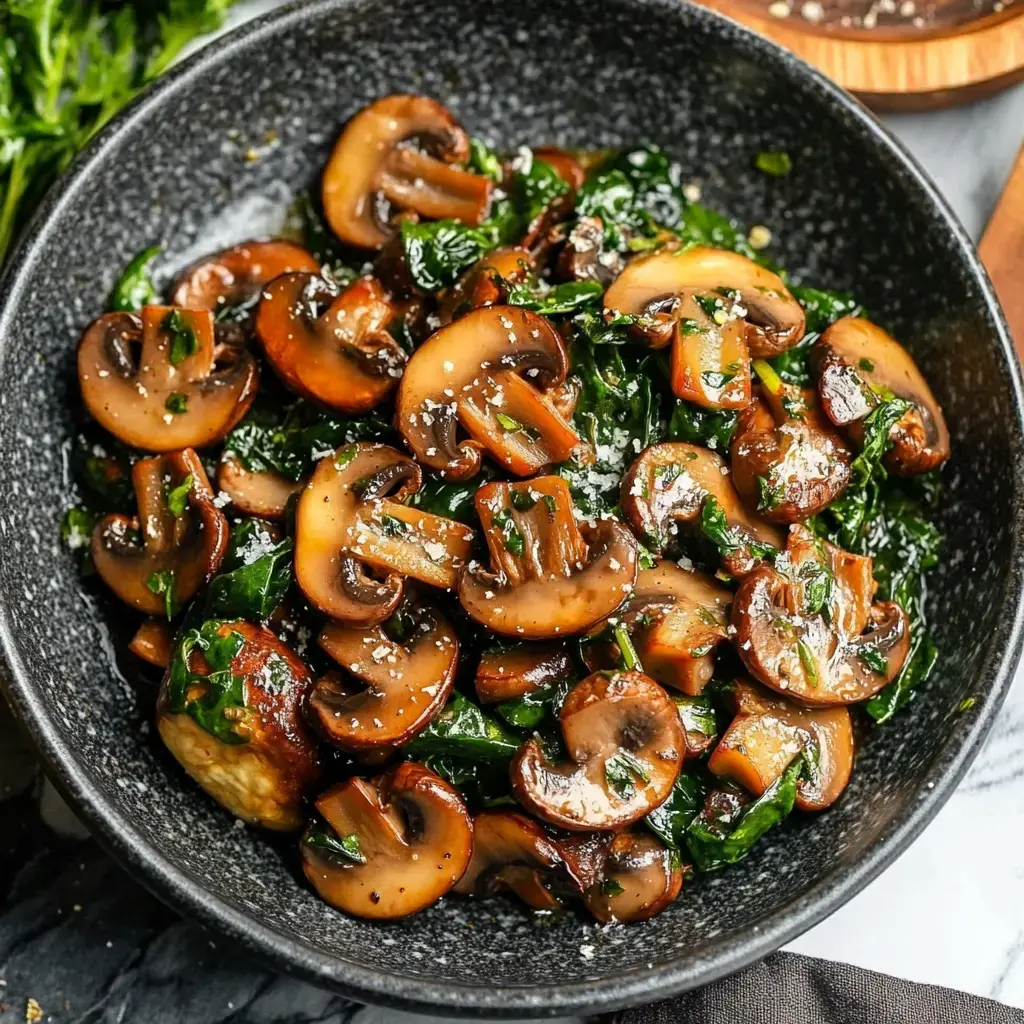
<point x="505" y="673"/>
<point x="234" y="277"/>
<point x="548" y="578"/>
<point x="512" y="853"/>
<point x="389" y="846"/>
<point x="229" y="712"/>
<point x="674" y="618"/>
<point x="162" y="380"/>
<point x="488" y="372"/>
<point x="264" y="494"/>
<point x="350" y="517"/>
<point x="624" y="747"/>
<point x="809" y="629"/>
<point x="398" y="154"/>
<point x="860" y="370"/>
<point x="332" y="348"/>
<point x="670" y="487"/>
<point x="486" y="283"/>
<point x="583" y="256"/>
<point x="768" y="731"/>
<point x="403" y="670"/>
<point x="159" y="559"/>
<point x="788" y="462"/>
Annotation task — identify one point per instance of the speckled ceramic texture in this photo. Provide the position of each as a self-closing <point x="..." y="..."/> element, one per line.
<point x="854" y="213"/>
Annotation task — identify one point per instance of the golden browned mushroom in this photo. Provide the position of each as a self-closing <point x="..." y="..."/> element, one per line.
<point x="334" y="349"/>
<point x="485" y="283"/>
<point x="788" y="462"/>
<point x="152" y="642"/>
<point x="393" y="845"/>
<point x="350" y="516"/>
<point x="511" y="853"/>
<point x="808" y="629"/>
<point x="638" y="879"/>
<point x="564" y="164"/>
<point x="485" y="371"/>
<point x="235" y="276"/>
<point x="508" y="673"/>
<point x="667" y="487"/>
<point x="624" y="746"/>
<point x="857" y="365"/>
<point x="264" y="494"/>
<point x="159" y="559"/>
<point x="229" y="712"/>
<point x="160" y="381"/>
<point x="397" y="153"/>
<point x="403" y="672"/>
<point x="768" y="731"/>
<point x="547" y="578"/>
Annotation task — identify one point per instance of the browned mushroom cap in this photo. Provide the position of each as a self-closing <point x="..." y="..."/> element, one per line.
<point x="508" y="673"/>
<point x="836" y="649"/>
<point x="767" y="732"/>
<point x="262" y="773"/>
<point x="857" y="363"/>
<point x="511" y="853"/>
<point x="584" y="257"/>
<point x="399" y="151"/>
<point x="234" y="276"/>
<point x="405" y="669"/>
<point x="349" y="516"/>
<point x="152" y="642"/>
<point x="264" y="494"/>
<point x="774" y="320"/>
<point x="159" y="559"/>
<point x="668" y="484"/>
<point x="625" y="746"/>
<point x="471" y="372"/>
<point x="788" y="462"/>
<point x="179" y="390"/>
<point x="547" y="579"/>
<point x="411" y="837"/>
<point x="485" y="283"/>
<point x="639" y="878"/>
<point x="341" y="355"/>
<point x="564" y="164"/>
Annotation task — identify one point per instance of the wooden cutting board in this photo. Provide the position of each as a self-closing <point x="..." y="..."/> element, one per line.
<point x="1002" y="252"/>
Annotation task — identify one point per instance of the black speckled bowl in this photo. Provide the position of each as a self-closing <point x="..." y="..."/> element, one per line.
<point x="855" y="213"/>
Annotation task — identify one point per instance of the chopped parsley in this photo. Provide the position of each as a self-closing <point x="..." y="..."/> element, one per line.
<point x="184" y="341"/>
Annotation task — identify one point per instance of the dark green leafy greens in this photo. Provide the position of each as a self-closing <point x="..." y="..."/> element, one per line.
<point x="135" y="288"/>
<point x="463" y="730"/>
<point x="346" y="848"/>
<point x="254" y="577"/>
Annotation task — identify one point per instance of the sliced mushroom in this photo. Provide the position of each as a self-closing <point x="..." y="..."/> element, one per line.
<point x="739" y="288"/>
<point x="234" y="277"/>
<point x="508" y="673"/>
<point x="666" y="488"/>
<point x="857" y="364"/>
<point x="564" y="164"/>
<point x="397" y="153"/>
<point x="264" y="495"/>
<point x="404" y="670"/>
<point x="349" y="516"/>
<point x="158" y="560"/>
<point x="511" y="853"/>
<point x="334" y="349"/>
<point x="624" y="745"/>
<point x="485" y="283"/>
<point x="472" y="372"/>
<point x="547" y="579"/>
<point x="254" y="758"/>
<point x="788" y="462"/>
<point x="639" y="878"/>
<point x="767" y="732"/>
<point x="808" y="629"/>
<point x="584" y="257"/>
<point x="160" y="381"/>
<point x="152" y="643"/>
<point x="410" y="839"/>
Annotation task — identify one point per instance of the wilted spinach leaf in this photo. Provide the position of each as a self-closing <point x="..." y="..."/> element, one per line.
<point x="463" y="730"/>
<point x="345" y="847"/>
<point x="259" y="573"/>
<point x="710" y="428"/>
<point x="437" y="251"/>
<point x="102" y="468"/>
<point x="134" y="288"/>
<point x="530" y="710"/>
<point x="482" y="783"/>
<point x="670" y="821"/>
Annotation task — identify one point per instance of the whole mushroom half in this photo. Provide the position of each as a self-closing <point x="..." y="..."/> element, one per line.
<point x="350" y="517"/>
<point x="546" y="578"/>
<point x="159" y="559"/>
<point x="809" y="629"/>
<point x="487" y="371"/>
<point x="638" y="878"/>
<point x="392" y="846"/>
<point x="397" y="154"/>
<point x="229" y="712"/>
<point x="332" y="348"/>
<point x="858" y="365"/>
<point x="160" y="380"/>
<point x="768" y="731"/>
<point x="402" y="670"/>
<point x="624" y="747"/>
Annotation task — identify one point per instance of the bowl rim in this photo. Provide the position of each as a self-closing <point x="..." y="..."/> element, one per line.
<point x="412" y="992"/>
